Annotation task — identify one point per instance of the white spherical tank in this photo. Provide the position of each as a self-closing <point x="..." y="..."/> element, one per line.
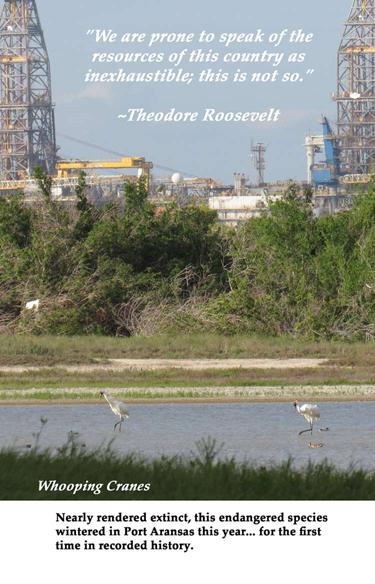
<point x="177" y="178"/>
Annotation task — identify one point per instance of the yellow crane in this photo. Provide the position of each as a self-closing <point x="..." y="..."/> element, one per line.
<point x="65" y="168"/>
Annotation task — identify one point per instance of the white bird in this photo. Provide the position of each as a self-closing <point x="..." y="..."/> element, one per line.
<point x="117" y="408"/>
<point x="309" y="412"/>
<point x="33" y="305"/>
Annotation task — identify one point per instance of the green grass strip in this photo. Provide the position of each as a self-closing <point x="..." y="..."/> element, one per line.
<point x="198" y="476"/>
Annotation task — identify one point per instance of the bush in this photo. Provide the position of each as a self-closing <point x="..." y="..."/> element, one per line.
<point x="130" y="269"/>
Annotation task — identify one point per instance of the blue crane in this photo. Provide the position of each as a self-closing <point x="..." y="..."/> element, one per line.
<point x="327" y="173"/>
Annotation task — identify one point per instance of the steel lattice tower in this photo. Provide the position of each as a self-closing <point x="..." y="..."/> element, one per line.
<point x="356" y="89"/>
<point x="27" y="126"/>
<point x="257" y="157"/>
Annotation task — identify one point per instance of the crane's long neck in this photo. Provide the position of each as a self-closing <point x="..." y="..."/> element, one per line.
<point x="107" y="398"/>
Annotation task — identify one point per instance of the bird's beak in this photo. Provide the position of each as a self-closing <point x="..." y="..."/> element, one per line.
<point x="101" y="395"/>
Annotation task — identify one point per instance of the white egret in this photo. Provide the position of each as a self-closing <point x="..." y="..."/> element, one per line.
<point x="117" y="407"/>
<point x="309" y="412"/>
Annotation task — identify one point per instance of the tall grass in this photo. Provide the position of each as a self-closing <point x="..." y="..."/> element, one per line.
<point x="199" y="476"/>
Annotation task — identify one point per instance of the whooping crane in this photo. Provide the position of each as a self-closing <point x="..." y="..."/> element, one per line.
<point x="308" y="411"/>
<point x="117" y="408"/>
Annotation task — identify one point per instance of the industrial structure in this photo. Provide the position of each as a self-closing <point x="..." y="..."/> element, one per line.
<point x="314" y="145"/>
<point x="350" y="150"/>
<point x="327" y="173"/>
<point x="240" y="181"/>
<point x="68" y="168"/>
<point x="27" y="121"/>
<point x="346" y="147"/>
<point x="355" y="95"/>
<point x="27" y="124"/>
<point x="258" y="159"/>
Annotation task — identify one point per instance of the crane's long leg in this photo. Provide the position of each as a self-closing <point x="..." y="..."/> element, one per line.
<point x="120" y="422"/>
<point x="309" y="430"/>
<point x="303" y="431"/>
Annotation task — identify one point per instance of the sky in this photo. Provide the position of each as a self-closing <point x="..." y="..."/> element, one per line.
<point x="90" y="112"/>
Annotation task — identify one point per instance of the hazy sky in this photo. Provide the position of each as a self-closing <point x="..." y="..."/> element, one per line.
<point x="217" y="150"/>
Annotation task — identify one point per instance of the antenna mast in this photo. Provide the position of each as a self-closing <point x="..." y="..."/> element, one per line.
<point x="257" y="156"/>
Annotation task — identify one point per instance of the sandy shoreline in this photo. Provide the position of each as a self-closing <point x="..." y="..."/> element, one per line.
<point x="159" y="364"/>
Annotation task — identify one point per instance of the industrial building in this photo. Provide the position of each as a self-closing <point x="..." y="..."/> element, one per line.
<point x="342" y="155"/>
<point x="339" y="157"/>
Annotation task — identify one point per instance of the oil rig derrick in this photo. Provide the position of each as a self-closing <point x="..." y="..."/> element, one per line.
<point x="27" y="125"/>
<point x="355" y="95"/>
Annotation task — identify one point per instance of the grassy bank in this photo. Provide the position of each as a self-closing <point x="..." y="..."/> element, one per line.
<point x="155" y="395"/>
<point x="174" y="378"/>
<point x="197" y="477"/>
<point x="350" y="364"/>
<point x="52" y="350"/>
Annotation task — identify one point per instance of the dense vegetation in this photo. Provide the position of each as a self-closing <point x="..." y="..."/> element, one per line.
<point x="130" y="270"/>
<point x="200" y="476"/>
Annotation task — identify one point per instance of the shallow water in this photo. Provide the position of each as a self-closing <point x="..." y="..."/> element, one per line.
<point x="262" y="433"/>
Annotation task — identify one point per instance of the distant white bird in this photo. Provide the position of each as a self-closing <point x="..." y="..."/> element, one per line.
<point x="34" y="304"/>
<point x="308" y="411"/>
<point x="117" y="408"/>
